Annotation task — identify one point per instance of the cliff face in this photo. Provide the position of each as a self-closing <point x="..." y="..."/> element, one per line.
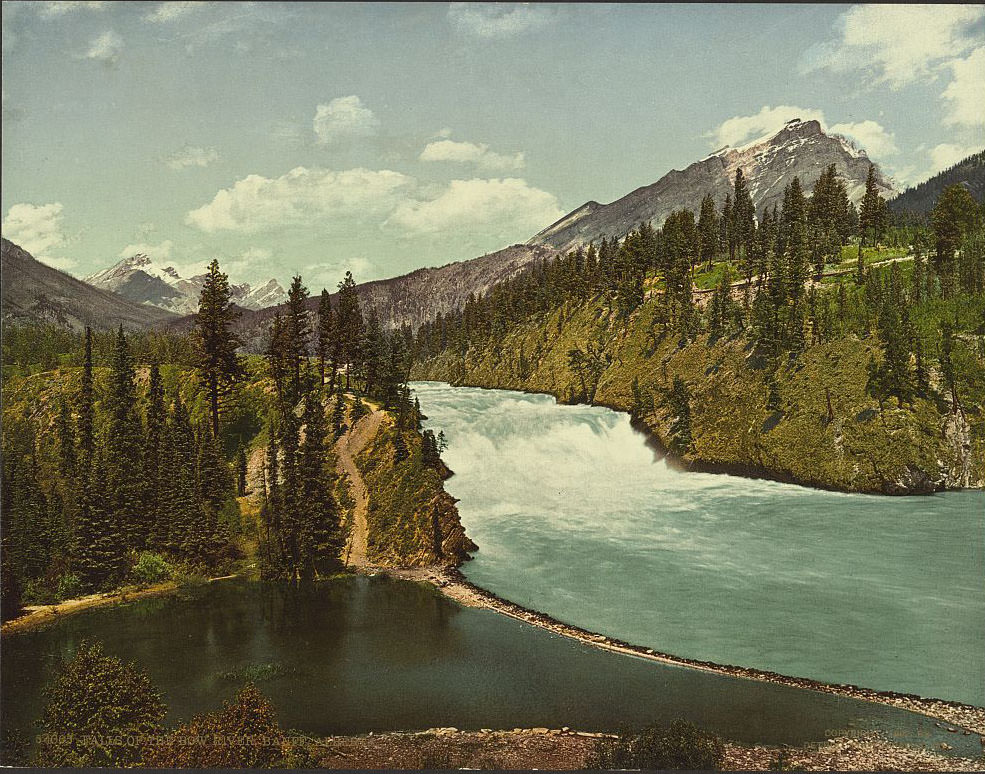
<point x="856" y="447"/>
<point x="36" y="293"/>
<point x="413" y="521"/>
<point x="801" y="149"/>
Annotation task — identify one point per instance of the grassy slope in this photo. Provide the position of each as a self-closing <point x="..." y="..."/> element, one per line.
<point x="863" y="449"/>
<point x="403" y="499"/>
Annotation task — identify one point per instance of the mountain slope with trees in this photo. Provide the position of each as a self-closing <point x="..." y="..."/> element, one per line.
<point x="823" y="365"/>
<point x="919" y="199"/>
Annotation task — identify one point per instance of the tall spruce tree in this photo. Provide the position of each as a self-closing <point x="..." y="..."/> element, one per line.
<point x="349" y="326"/>
<point x="299" y="332"/>
<point x="319" y="539"/>
<point x="124" y="447"/>
<point x="218" y="365"/>
<point x="326" y="331"/>
<point x="153" y="482"/>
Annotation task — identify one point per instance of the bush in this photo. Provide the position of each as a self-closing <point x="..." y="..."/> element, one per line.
<point x="151" y="568"/>
<point x="243" y="734"/>
<point x="681" y="746"/>
<point x="97" y="708"/>
<point x="69" y="586"/>
<point x="37" y="592"/>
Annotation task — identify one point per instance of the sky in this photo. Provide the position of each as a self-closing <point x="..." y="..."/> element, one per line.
<point x="312" y="138"/>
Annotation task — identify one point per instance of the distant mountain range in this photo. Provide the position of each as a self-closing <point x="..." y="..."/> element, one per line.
<point x="35" y="292"/>
<point x="800" y="149"/>
<point x="140" y="279"/>
<point x="920" y="199"/>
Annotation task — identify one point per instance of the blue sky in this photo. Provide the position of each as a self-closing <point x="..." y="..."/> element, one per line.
<point x="313" y="137"/>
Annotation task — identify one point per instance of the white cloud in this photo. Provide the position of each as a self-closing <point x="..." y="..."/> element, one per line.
<point x="191" y="156"/>
<point x="301" y="197"/>
<point x="871" y="135"/>
<point x="344" y="116"/>
<point x="105" y="48"/>
<point x="497" y="207"/>
<point x="947" y="155"/>
<point x="50" y="10"/>
<point x="169" y="12"/>
<point x="966" y="93"/>
<point x="898" y="44"/>
<point x="738" y="129"/>
<point x="159" y="252"/>
<point x="38" y="229"/>
<point x="498" y="20"/>
<point x="470" y="153"/>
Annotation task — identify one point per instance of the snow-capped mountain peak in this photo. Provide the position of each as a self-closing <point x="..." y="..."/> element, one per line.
<point x="140" y="279"/>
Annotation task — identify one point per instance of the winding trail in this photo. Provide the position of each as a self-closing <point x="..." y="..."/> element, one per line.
<point x="347" y="448"/>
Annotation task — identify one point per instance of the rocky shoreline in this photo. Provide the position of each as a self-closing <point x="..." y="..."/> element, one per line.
<point x="955" y="717"/>
<point x="567" y="749"/>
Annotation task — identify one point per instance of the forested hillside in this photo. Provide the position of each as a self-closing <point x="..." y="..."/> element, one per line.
<point x="130" y="459"/>
<point x="850" y="354"/>
<point x="919" y="200"/>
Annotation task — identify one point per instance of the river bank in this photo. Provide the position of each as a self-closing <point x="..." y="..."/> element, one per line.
<point x="565" y="749"/>
<point x="956" y="717"/>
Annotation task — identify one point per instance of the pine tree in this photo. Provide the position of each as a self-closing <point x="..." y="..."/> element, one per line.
<point x="241" y="471"/>
<point x="338" y="412"/>
<point x="153" y="461"/>
<point x="218" y="366"/>
<point x="955" y="214"/>
<point x="708" y="229"/>
<point x="100" y="558"/>
<point x="679" y="402"/>
<point x="181" y="501"/>
<point x="743" y="219"/>
<point x="349" y="326"/>
<point x="326" y="332"/>
<point x="86" y="408"/>
<point x="320" y="538"/>
<point x="299" y="331"/>
<point x="124" y="446"/>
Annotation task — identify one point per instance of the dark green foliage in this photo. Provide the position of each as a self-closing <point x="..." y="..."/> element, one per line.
<point x="241" y="471"/>
<point x="681" y="746"/>
<point x="348" y="327"/>
<point x="678" y="401"/>
<point x="124" y="442"/>
<point x="298" y="333"/>
<point x="218" y="364"/>
<point x="99" y="712"/>
<point x="955" y="215"/>
<point x="326" y="333"/>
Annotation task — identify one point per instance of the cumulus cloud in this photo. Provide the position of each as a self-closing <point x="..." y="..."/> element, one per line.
<point x="470" y="153"/>
<point x="166" y="13"/>
<point x="498" y="20"/>
<point x="965" y="94"/>
<point x="303" y="196"/>
<point x="898" y="44"/>
<point x="948" y="154"/>
<point x="105" y="48"/>
<point x="344" y="117"/>
<point x="497" y="207"/>
<point x="55" y="8"/>
<point x="38" y="229"/>
<point x="871" y="135"/>
<point x="159" y="252"/>
<point x="738" y="129"/>
<point x="192" y="156"/>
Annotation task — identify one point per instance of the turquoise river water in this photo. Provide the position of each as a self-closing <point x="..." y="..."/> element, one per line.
<point x="577" y="517"/>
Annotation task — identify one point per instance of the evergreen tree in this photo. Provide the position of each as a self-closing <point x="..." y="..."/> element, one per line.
<point x="743" y="219"/>
<point x="320" y="538"/>
<point x="241" y="471"/>
<point x="708" y="229"/>
<point x="299" y="331"/>
<point x="153" y="462"/>
<point x="86" y="408"/>
<point x="124" y="447"/>
<point x="218" y="365"/>
<point x="679" y="402"/>
<point x="100" y="558"/>
<point x="349" y="326"/>
<point x="338" y="412"/>
<point x="326" y="332"/>
<point x="955" y="214"/>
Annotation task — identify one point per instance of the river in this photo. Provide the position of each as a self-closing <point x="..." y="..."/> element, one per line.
<point x="357" y="654"/>
<point x="576" y="516"/>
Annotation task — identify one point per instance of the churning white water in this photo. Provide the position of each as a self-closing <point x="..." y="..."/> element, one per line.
<point x="576" y="516"/>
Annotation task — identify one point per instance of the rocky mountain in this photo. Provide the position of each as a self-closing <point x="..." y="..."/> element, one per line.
<point x="140" y="279"/>
<point x="919" y="199"/>
<point x="411" y="298"/>
<point x="33" y="292"/>
<point x="800" y="149"/>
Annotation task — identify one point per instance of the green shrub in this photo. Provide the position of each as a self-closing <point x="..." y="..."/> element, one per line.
<point x="679" y="746"/>
<point x="38" y="592"/>
<point x="69" y="586"/>
<point x="98" y="711"/>
<point x="151" y="568"/>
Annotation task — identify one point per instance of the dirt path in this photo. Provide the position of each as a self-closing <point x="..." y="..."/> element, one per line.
<point x="346" y="450"/>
